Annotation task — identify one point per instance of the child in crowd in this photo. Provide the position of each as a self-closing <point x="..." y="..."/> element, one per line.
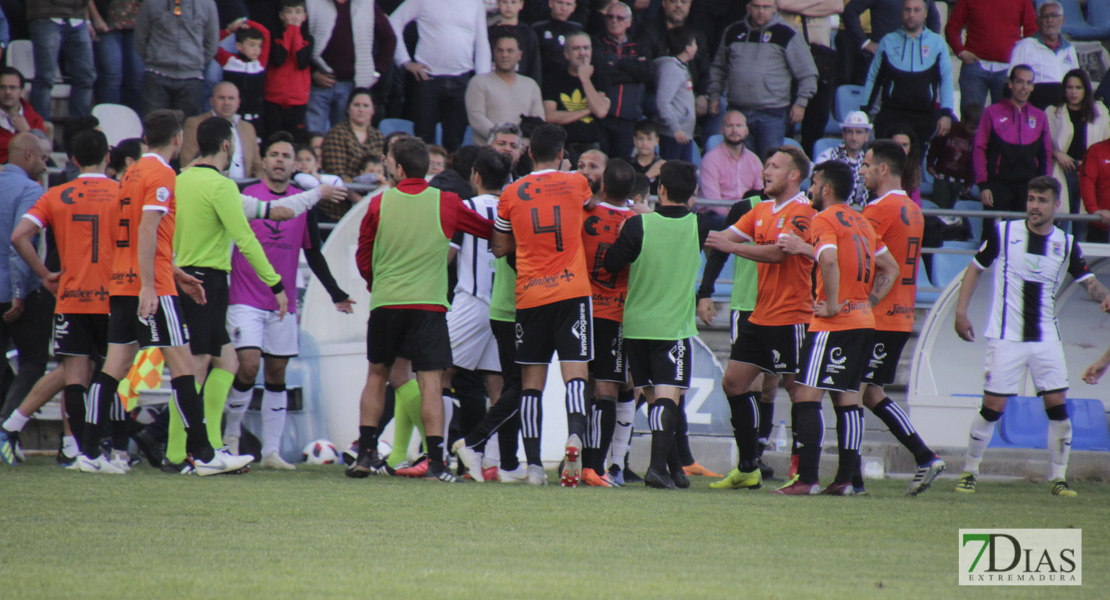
<point x="316" y="143"/>
<point x="646" y="139"/>
<point x="437" y="162"/>
<point x="247" y="69"/>
<point x="641" y="189"/>
<point x="371" y="169"/>
<point x="949" y="158"/>
<point x="288" y="78"/>
<point x="674" y="94"/>
<point x="308" y="175"/>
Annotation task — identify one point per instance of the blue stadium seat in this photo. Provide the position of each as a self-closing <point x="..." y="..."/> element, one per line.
<point x="824" y="144"/>
<point x="975" y="222"/>
<point x="439" y="134"/>
<point x="848" y="99"/>
<point x="961" y="244"/>
<point x="388" y="126"/>
<point x="832" y="126"/>
<point x="1024" y="424"/>
<point x="1088" y="422"/>
<point x="928" y="204"/>
<point x="791" y="142"/>
<point x="947" y="267"/>
<point x="713" y="142"/>
<point x="924" y="299"/>
<point x="1079" y="28"/>
<point x="468" y="136"/>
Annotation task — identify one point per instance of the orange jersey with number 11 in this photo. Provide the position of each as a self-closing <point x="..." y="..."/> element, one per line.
<point x="856" y="245"/>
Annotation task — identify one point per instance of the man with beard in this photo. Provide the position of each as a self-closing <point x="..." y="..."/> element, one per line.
<point x="730" y="171"/>
<point x="591" y="165"/>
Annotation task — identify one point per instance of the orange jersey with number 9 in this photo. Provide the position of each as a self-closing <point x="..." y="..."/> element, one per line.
<point x="899" y="224"/>
<point x="856" y="245"/>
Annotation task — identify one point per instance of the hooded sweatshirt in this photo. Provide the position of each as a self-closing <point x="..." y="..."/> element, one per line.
<point x="910" y="74"/>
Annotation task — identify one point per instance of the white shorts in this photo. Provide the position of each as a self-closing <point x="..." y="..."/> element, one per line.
<point x="251" y="327"/>
<point x="472" y="343"/>
<point x="1006" y="362"/>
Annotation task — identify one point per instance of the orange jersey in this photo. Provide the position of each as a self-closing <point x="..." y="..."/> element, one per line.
<point x="148" y="185"/>
<point x="899" y="224"/>
<point x="544" y="212"/>
<point x="856" y="245"/>
<point x="80" y="214"/>
<point x="601" y="228"/>
<point x="784" y="295"/>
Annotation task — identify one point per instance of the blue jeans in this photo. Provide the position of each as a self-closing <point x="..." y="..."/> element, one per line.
<point x="75" y="45"/>
<point x="975" y="82"/>
<point x="327" y="107"/>
<point x="766" y="129"/>
<point x="441" y="99"/>
<point x="161" y="92"/>
<point x="670" y="149"/>
<point x="119" y="70"/>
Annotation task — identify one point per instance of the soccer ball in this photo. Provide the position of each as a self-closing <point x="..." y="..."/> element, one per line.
<point x="320" y="452"/>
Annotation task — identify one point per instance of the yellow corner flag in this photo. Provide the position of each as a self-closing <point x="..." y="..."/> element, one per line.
<point x="145" y="374"/>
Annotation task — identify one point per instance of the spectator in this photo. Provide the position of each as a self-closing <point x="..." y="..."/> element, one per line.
<point x="676" y="14"/>
<point x="993" y="27"/>
<point x="245" y="160"/>
<point x="712" y="17"/>
<point x="346" y="143"/>
<point x="175" y="40"/>
<point x="646" y="160"/>
<point x="911" y="77"/>
<point x="316" y="142"/>
<point x="1012" y="145"/>
<point x="904" y="135"/>
<point x="855" y="130"/>
<point x="1050" y="55"/>
<point x="571" y="97"/>
<point x="503" y="95"/>
<point x="1076" y="124"/>
<point x="122" y="156"/>
<point x="758" y="63"/>
<point x="628" y="69"/>
<point x="16" y="114"/>
<point x="59" y="27"/>
<point x="345" y="56"/>
<point x="119" y="70"/>
<point x="949" y="158"/>
<point x="308" y="175"/>
<point x="437" y="161"/>
<point x="71" y="170"/>
<point x="1094" y="188"/>
<point x="453" y="46"/>
<point x="674" y="95"/>
<point x="371" y="170"/>
<point x="858" y="48"/>
<point x="506" y="138"/>
<point x="553" y="34"/>
<point x="731" y="171"/>
<point x="247" y="69"/>
<point x="288" y="75"/>
<point x="813" y="21"/>
<point x="529" y="63"/>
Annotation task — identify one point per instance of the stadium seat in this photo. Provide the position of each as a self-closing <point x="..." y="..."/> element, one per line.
<point x="960" y="244"/>
<point x="388" y="126"/>
<point x="118" y="122"/>
<point x="924" y="299"/>
<point x="1088" y="422"/>
<point x="468" y="136"/>
<point x="929" y="204"/>
<point x="975" y="222"/>
<point x="947" y="267"/>
<point x="848" y="99"/>
<point x="791" y="142"/>
<point x="1079" y="28"/>
<point x="926" y="189"/>
<point x="1024" y="424"/>
<point x="693" y="155"/>
<point x="21" y="55"/>
<point x="713" y="142"/>
<point x="824" y="144"/>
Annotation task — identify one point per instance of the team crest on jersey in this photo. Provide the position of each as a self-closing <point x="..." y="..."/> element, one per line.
<point x="925" y="52"/>
<point x="1057" y="248"/>
<point x="759" y="223"/>
<point x="782" y="221"/>
<point x="163" y="194"/>
<point x="766" y="37"/>
<point x="1032" y="122"/>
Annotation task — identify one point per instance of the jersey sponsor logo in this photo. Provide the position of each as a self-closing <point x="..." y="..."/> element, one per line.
<point x="130" y="276"/>
<point x="850" y="306"/>
<point x="836" y="355"/>
<point x="519" y="336"/>
<point x="776" y="358"/>
<point x="800" y="223"/>
<point x="580" y="330"/>
<point x="879" y="351"/>
<point x="678" y="357"/>
<point x="163" y="194"/>
<point x="898" y="309"/>
<point x="84" y="295"/>
<point x="549" y="280"/>
<point x="591" y="226"/>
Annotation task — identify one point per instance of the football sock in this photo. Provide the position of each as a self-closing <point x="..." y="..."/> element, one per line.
<point x="74" y="398"/>
<point x="623" y="414"/>
<point x="435" y="451"/>
<point x="238" y="401"/>
<point x="766" y="420"/>
<point x="661" y="419"/>
<point x="793" y="429"/>
<point x="97" y="403"/>
<point x="899" y="423"/>
<point x="275" y="402"/>
<point x="472" y="410"/>
<point x="982" y="430"/>
<point x="507" y="442"/>
<point x="681" y="434"/>
<point x="191" y="410"/>
<point x="367" y="438"/>
<point x="406" y="416"/>
<point x="849" y="434"/>
<point x="495" y="420"/>
<point x="593" y="433"/>
<point x="607" y="416"/>
<point x="576" y="408"/>
<point x="118" y="422"/>
<point x="449" y="402"/>
<point x="531" y="423"/>
<point x="1059" y="441"/>
<point x="745" y="429"/>
<point x="216" y="389"/>
<point x="17" y="421"/>
<point x="809" y="433"/>
<point x="69" y="446"/>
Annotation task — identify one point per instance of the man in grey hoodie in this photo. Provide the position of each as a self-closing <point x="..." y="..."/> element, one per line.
<point x="757" y="64"/>
<point x="175" y="39"/>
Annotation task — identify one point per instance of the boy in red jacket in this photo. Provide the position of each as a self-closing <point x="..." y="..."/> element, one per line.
<point x="288" y="78"/>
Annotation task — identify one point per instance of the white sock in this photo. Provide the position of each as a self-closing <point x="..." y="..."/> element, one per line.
<point x="1059" y="448"/>
<point x="273" y="420"/>
<point x="622" y="433"/>
<point x="69" y="446"/>
<point x="448" y="414"/>
<point x="237" y="404"/>
<point x="982" y="431"/>
<point x="16" y="422"/>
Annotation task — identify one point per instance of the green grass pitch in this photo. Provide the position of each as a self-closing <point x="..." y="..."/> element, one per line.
<point x="314" y="533"/>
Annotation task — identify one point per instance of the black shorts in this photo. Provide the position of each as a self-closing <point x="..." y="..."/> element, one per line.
<point x="207" y="322"/>
<point x="886" y="351"/>
<point x="418" y="335"/>
<point x="772" y="348"/>
<point x="609" y="362"/>
<point x="80" y="334"/>
<point x="562" y="327"/>
<point x="834" y="360"/>
<point x="660" y="362"/>
<point x="166" y="329"/>
<point x="739" y="318"/>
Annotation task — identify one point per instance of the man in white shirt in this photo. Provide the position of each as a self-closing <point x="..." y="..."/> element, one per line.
<point x="1050" y="55"/>
<point x="503" y="95"/>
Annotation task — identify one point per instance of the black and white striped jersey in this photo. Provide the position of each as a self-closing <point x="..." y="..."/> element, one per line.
<point x="474" y="262"/>
<point x="1029" y="269"/>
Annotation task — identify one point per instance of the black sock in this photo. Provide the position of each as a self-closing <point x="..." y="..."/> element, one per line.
<point x="531" y="424"/>
<point x="98" y="403"/>
<point x="662" y="421"/>
<point x="899" y="423"/>
<point x="857" y="475"/>
<point x="495" y="419"/>
<point x="435" y="451"/>
<point x="793" y="429"/>
<point x="191" y="408"/>
<point x="849" y="435"/>
<point x="367" y="438"/>
<point x="744" y="417"/>
<point x="119" y="421"/>
<point x="607" y="408"/>
<point x="682" y="434"/>
<point x="809" y="429"/>
<point x="74" y="397"/>
<point x="576" y="408"/>
<point x="766" y="421"/>
<point x="507" y="435"/>
<point x="389" y="407"/>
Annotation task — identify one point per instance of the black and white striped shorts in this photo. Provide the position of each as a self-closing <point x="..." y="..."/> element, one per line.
<point x="165" y="329"/>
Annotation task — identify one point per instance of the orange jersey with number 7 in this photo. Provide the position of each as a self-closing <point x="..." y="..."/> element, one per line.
<point x="899" y="224"/>
<point x="843" y="229"/>
<point x="544" y="212"/>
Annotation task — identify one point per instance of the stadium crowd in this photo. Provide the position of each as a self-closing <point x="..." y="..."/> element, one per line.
<point x="458" y="114"/>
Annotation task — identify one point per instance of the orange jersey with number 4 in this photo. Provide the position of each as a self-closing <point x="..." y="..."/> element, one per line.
<point x="784" y="295"/>
<point x="600" y="229"/>
<point x="856" y="245"/>
<point x="544" y="212"/>
<point x="80" y="215"/>
<point x="147" y="186"/>
<point x="899" y="224"/>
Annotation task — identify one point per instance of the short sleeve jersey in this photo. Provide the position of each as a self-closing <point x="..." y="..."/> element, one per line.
<point x="80" y="214"/>
<point x="899" y="224"/>
<point x="282" y="241"/>
<point x="544" y="212"/>
<point x="848" y="233"/>
<point x="784" y="295"/>
<point x="600" y="229"/>
<point x="148" y="185"/>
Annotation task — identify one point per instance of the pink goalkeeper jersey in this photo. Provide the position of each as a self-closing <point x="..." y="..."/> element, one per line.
<point x="282" y="241"/>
